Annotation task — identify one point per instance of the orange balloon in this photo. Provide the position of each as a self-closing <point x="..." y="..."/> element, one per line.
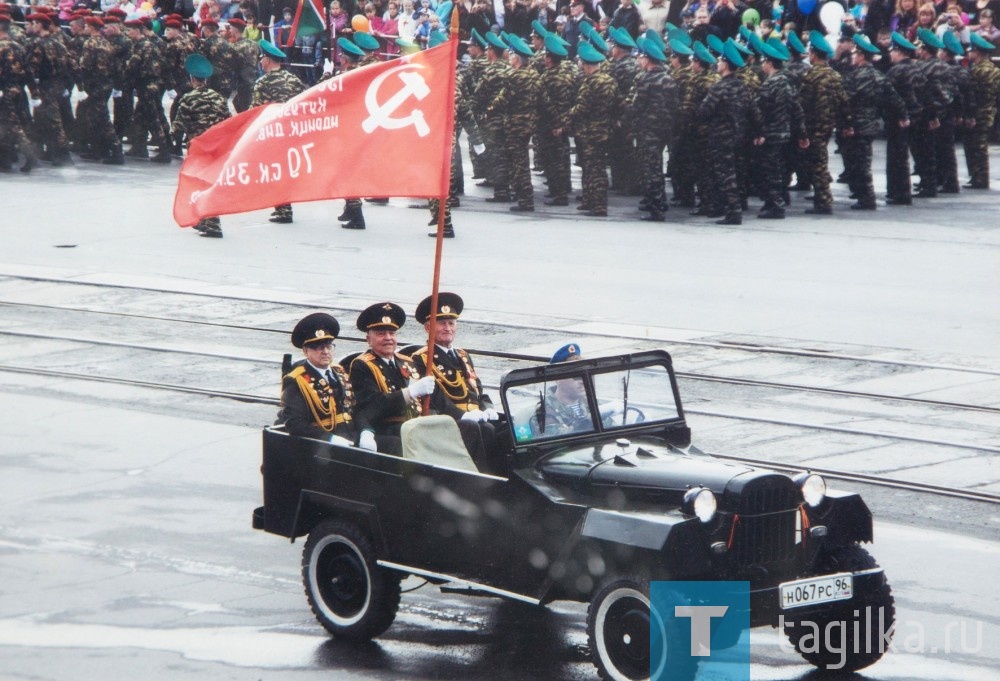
<point x="359" y="22"/>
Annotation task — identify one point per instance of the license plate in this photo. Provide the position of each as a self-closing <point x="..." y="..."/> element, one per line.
<point x="802" y="592"/>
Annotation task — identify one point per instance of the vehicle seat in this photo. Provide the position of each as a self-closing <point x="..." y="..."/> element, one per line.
<point x="436" y="440"/>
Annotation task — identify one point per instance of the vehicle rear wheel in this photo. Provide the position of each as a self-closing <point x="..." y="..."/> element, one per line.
<point x="847" y="636"/>
<point x="618" y="627"/>
<point x="349" y="593"/>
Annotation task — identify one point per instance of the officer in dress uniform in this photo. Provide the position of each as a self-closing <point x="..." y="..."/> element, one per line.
<point x="316" y="395"/>
<point x="460" y="392"/>
<point x="387" y="386"/>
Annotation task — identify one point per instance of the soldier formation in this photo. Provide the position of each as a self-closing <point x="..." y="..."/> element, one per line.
<point x="737" y="119"/>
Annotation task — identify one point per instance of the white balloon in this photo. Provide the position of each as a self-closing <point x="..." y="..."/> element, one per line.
<point x="830" y="15"/>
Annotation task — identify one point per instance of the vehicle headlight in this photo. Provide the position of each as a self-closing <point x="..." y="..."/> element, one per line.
<point x="700" y="502"/>
<point x="813" y="488"/>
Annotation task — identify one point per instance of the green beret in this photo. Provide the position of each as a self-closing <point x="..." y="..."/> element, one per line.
<point x="702" y="54"/>
<point x="539" y="30"/>
<point x="518" y="45"/>
<point x="781" y="48"/>
<point x="714" y="43"/>
<point x="862" y="41"/>
<point x="678" y="34"/>
<point x="953" y="44"/>
<point x="434" y="39"/>
<point x="732" y="54"/>
<point x="270" y="50"/>
<point x="554" y="46"/>
<point x="586" y="28"/>
<point x="597" y="41"/>
<point x="678" y="47"/>
<point x="978" y="42"/>
<point x="744" y="50"/>
<point x="494" y="40"/>
<point x="819" y="44"/>
<point x="349" y="48"/>
<point x="928" y="38"/>
<point x="589" y="54"/>
<point x="475" y="38"/>
<point x="794" y="43"/>
<point x="621" y="38"/>
<point x="771" y="51"/>
<point x="651" y="50"/>
<point x="656" y="37"/>
<point x="198" y="66"/>
<point x="745" y="33"/>
<point x="898" y="41"/>
<point x="755" y="42"/>
<point x="366" y="41"/>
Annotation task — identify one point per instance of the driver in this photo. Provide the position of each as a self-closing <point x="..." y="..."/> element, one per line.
<point x="564" y="409"/>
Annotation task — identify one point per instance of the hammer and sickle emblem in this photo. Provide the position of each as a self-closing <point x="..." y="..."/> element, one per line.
<point x="381" y="115"/>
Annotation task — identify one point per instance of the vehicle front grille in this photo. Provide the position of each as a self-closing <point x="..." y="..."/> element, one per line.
<point x="765" y="531"/>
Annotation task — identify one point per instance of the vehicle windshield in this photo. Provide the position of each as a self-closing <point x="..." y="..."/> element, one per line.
<point x="591" y="402"/>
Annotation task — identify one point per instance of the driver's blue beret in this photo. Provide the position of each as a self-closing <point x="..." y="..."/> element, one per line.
<point x="566" y="353"/>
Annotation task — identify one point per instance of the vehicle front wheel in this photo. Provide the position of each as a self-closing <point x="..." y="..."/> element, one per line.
<point x="618" y="627"/>
<point x="847" y="636"/>
<point x="349" y="593"/>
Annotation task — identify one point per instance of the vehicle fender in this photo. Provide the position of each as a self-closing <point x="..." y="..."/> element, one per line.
<point x="846" y="517"/>
<point x="680" y="543"/>
<point x="315" y="507"/>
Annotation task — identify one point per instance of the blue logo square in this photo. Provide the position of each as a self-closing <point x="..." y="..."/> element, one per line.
<point x="699" y="627"/>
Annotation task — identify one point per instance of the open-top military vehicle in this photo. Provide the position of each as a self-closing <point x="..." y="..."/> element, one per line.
<point x="603" y="495"/>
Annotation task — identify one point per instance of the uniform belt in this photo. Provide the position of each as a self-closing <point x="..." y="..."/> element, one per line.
<point x="467" y="406"/>
<point x="342" y="419"/>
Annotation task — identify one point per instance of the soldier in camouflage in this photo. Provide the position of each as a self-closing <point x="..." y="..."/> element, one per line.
<point x="517" y="105"/>
<point x="492" y="126"/>
<point x="245" y="57"/>
<point x="796" y="70"/>
<point x="985" y="77"/>
<point x="276" y="85"/>
<point x="48" y="64"/>
<point x="96" y="72"/>
<point x="730" y="108"/>
<point x="963" y="106"/>
<point x="872" y="99"/>
<point x="145" y="71"/>
<point x="215" y="46"/>
<point x="180" y="45"/>
<point x="351" y="56"/>
<point x="781" y="125"/>
<point x="122" y="102"/>
<point x="937" y="101"/>
<point x="825" y="106"/>
<point x="200" y="109"/>
<point x="598" y="106"/>
<point x="649" y="112"/>
<point x="909" y="81"/>
<point x="559" y="86"/>
<point x="681" y="72"/>
<point x="467" y="81"/>
<point x="695" y="173"/>
<point x="623" y="155"/>
<point x="13" y="79"/>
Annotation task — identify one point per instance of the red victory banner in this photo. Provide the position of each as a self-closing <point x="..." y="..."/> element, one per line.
<point x="381" y="130"/>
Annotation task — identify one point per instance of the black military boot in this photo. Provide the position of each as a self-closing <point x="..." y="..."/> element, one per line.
<point x="115" y="157"/>
<point x="162" y="156"/>
<point x="731" y="219"/>
<point x="654" y="216"/>
<point x="356" y="218"/>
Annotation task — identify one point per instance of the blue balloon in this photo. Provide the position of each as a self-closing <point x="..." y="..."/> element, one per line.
<point x="807" y="6"/>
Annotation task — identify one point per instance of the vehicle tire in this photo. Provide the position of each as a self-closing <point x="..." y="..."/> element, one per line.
<point x="840" y="650"/>
<point x="619" y="633"/>
<point x="349" y="593"/>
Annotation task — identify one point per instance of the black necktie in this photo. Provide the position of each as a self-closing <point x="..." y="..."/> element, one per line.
<point x="329" y="377"/>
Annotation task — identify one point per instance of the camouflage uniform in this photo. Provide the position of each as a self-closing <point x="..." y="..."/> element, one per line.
<point x="796" y="69"/>
<point x="937" y="102"/>
<point x="909" y="82"/>
<point x="559" y="86"/>
<point x="598" y="105"/>
<point x="650" y="112"/>
<point x="175" y="77"/>
<point x="985" y="78"/>
<point x="277" y="86"/>
<point x="748" y="181"/>
<point x="492" y="128"/>
<point x="13" y="79"/>
<point x="728" y="106"/>
<point x="872" y="98"/>
<point x="198" y="111"/>
<point x="623" y="154"/>
<point x="963" y="105"/>
<point x="48" y="63"/>
<point x="517" y="105"/>
<point x="467" y="80"/>
<point x="93" y="119"/>
<point x="782" y="124"/>
<point x="694" y="171"/>
<point x="825" y="106"/>
<point x="145" y="71"/>
<point x="218" y="50"/>
<point x="682" y="77"/>
<point x="245" y="56"/>
<point x="123" y="104"/>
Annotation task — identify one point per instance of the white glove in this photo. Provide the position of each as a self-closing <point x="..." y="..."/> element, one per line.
<point x="65" y="93"/>
<point x="492" y="414"/>
<point x="479" y="148"/>
<point x="422" y="387"/>
<point x="340" y="441"/>
<point x="116" y="94"/>
<point x="171" y="94"/>
<point x="35" y="103"/>
<point x="474" y="416"/>
<point x="83" y="96"/>
<point x="367" y="440"/>
<point x="327" y="67"/>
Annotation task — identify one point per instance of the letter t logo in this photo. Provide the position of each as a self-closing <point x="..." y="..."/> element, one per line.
<point x="701" y="623"/>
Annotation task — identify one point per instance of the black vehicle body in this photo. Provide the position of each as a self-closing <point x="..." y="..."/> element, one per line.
<point x="578" y="508"/>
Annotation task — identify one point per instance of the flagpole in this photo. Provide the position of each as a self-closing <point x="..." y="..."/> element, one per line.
<point x="442" y="207"/>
